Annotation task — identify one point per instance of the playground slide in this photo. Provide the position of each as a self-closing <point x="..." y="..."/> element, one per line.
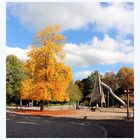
<point x="111" y="92"/>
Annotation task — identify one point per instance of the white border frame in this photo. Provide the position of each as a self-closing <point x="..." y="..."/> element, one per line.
<point x="3" y="59"/>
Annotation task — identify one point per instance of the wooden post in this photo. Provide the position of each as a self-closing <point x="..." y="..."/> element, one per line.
<point x="113" y="102"/>
<point x="127" y="104"/>
<point x="102" y="105"/>
<point x="127" y="92"/>
<point x="108" y="100"/>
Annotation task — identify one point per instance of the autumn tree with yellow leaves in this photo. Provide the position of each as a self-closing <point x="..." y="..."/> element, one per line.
<point x="125" y="77"/>
<point x="48" y="76"/>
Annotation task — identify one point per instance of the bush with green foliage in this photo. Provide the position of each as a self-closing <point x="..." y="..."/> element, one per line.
<point x="14" y="76"/>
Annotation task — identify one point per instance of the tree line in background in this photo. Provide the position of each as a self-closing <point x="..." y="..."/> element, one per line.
<point x="119" y="82"/>
<point x="45" y="78"/>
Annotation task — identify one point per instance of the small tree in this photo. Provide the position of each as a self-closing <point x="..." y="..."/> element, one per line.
<point x="74" y="92"/>
<point x="14" y="76"/>
<point x="86" y="86"/>
<point x="110" y="79"/>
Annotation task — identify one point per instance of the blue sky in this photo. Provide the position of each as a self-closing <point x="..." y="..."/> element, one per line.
<point x="99" y="36"/>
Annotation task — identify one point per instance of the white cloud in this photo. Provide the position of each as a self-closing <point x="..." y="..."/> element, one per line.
<point x="83" y="74"/>
<point x="106" y="51"/>
<point x="75" y="15"/>
<point x="20" y="53"/>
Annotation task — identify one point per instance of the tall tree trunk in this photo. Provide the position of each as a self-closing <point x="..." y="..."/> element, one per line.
<point x="42" y="105"/>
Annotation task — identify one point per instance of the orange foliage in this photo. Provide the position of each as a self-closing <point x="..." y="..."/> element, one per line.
<point x="48" y="76"/>
<point x="126" y="77"/>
